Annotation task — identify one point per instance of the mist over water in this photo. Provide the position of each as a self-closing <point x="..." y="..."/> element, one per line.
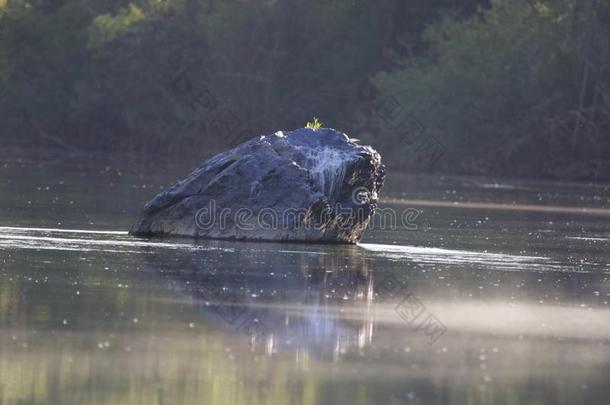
<point x="486" y="305"/>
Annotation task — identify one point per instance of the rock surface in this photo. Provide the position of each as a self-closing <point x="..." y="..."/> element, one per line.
<point x="304" y="185"/>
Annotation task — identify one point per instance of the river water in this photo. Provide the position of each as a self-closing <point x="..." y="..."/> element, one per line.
<point x="494" y="291"/>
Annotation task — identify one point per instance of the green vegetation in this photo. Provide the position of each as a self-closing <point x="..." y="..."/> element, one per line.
<point x="518" y="88"/>
<point x="314" y="125"/>
<point x="511" y="87"/>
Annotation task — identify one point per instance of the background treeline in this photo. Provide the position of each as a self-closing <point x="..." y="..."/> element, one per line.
<point x="505" y="87"/>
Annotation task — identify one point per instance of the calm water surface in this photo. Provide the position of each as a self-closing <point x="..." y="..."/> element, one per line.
<point x="497" y="292"/>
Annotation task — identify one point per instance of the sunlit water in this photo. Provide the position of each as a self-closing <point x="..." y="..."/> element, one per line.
<point x="502" y="298"/>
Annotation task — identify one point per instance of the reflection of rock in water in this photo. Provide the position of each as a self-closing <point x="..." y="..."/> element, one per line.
<point x="280" y="298"/>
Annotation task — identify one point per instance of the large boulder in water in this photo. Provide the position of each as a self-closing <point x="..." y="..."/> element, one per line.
<point x="311" y="185"/>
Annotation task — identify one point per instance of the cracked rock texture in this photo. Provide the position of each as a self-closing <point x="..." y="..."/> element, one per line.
<point x="304" y="185"/>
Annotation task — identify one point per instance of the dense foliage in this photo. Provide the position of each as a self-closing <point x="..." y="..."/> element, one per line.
<point x="511" y="87"/>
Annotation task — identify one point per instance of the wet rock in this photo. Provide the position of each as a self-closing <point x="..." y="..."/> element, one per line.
<point x="304" y="185"/>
